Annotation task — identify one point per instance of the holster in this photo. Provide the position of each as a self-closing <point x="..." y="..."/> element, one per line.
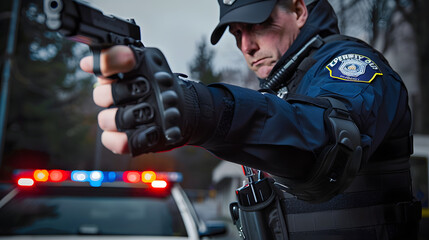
<point x="258" y="212"/>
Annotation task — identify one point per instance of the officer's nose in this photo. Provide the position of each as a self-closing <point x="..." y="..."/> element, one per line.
<point x="248" y="43"/>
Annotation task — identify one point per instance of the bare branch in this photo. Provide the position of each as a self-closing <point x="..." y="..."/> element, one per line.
<point x="408" y="16"/>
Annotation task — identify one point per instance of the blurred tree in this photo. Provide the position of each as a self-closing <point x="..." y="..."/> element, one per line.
<point x="371" y="20"/>
<point x="244" y="78"/>
<point x="415" y="12"/>
<point x="49" y="110"/>
<point x="5" y="15"/>
<point x="202" y="66"/>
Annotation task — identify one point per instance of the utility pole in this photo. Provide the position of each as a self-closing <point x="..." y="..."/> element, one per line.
<point x="5" y="77"/>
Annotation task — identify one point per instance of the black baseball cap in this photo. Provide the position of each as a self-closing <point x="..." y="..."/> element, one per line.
<point x="243" y="11"/>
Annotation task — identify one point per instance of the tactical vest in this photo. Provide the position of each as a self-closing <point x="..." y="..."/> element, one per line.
<point x="378" y="204"/>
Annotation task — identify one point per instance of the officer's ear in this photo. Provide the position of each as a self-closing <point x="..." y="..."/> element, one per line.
<point x="301" y="12"/>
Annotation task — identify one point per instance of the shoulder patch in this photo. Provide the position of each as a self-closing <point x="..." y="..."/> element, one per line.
<point x="354" y="68"/>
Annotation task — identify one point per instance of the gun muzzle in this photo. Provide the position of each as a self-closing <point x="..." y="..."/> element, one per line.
<point x="52" y="9"/>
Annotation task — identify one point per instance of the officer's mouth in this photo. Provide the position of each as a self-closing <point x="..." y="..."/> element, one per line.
<point x="259" y="61"/>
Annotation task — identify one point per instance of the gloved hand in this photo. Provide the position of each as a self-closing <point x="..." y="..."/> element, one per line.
<point x="152" y="109"/>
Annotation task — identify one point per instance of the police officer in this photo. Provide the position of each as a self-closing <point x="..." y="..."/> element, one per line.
<point x="331" y="123"/>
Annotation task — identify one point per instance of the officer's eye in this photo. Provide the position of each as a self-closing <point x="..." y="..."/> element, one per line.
<point x="234" y="30"/>
<point x="237" y="33"/>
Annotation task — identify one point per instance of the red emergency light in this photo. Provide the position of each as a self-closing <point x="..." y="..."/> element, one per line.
<point x="27" y="178"/>
<point x="131" y="176"/>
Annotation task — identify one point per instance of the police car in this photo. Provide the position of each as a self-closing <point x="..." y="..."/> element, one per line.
<point x="58" y="204"/>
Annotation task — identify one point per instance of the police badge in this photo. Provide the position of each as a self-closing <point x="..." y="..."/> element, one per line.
<point x="353" y="67"/>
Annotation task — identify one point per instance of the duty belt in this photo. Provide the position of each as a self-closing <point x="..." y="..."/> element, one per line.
<point x="354" y="217"/>
<point x="369" y="201"/>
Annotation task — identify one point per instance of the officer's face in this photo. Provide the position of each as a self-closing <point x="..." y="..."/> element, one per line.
<point x="264" y="44"/>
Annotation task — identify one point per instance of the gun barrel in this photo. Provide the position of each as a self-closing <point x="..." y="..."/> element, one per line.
<point x="83" y="23"/>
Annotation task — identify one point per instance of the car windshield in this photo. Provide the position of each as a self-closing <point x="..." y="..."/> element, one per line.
<point x="35" y="214"/>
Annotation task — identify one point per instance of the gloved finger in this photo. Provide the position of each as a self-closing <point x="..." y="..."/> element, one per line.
<point x="132" y="116"/>
<point x="120" y="92"/>
<point x="116" y="142"/>
<point x="106" y="119"/>
<point x="148" y="138"/>
<point x="130" y="91"/>
<point x="102" y="95"/>
<point x="114" y="60"/>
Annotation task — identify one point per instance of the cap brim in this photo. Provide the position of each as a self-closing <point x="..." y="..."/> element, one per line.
<point x="251" y="13"/>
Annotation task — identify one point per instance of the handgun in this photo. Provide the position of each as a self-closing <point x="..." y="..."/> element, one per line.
<point x="148" y="94"/>
<point x="82" y="23"/>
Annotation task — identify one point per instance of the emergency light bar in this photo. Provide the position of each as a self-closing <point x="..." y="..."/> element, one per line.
<point x="95" y="178"/>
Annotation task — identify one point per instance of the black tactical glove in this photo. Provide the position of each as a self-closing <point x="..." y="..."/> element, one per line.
<point x="156" y="109"/>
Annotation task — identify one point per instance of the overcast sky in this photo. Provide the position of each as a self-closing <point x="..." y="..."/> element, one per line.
<point x="175" y="27"/>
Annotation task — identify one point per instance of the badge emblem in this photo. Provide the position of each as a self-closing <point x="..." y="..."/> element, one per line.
<point x="228" y="2"/>
<point x="353" y="67"/>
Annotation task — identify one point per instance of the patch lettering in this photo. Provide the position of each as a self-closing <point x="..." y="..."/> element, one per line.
<point x="354" y="68"/>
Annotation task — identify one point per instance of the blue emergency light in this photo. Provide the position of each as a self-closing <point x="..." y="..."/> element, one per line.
<point x="95" y="178"/>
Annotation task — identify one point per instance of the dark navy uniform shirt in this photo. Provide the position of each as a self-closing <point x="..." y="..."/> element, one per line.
<point x="285" y="139"/>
